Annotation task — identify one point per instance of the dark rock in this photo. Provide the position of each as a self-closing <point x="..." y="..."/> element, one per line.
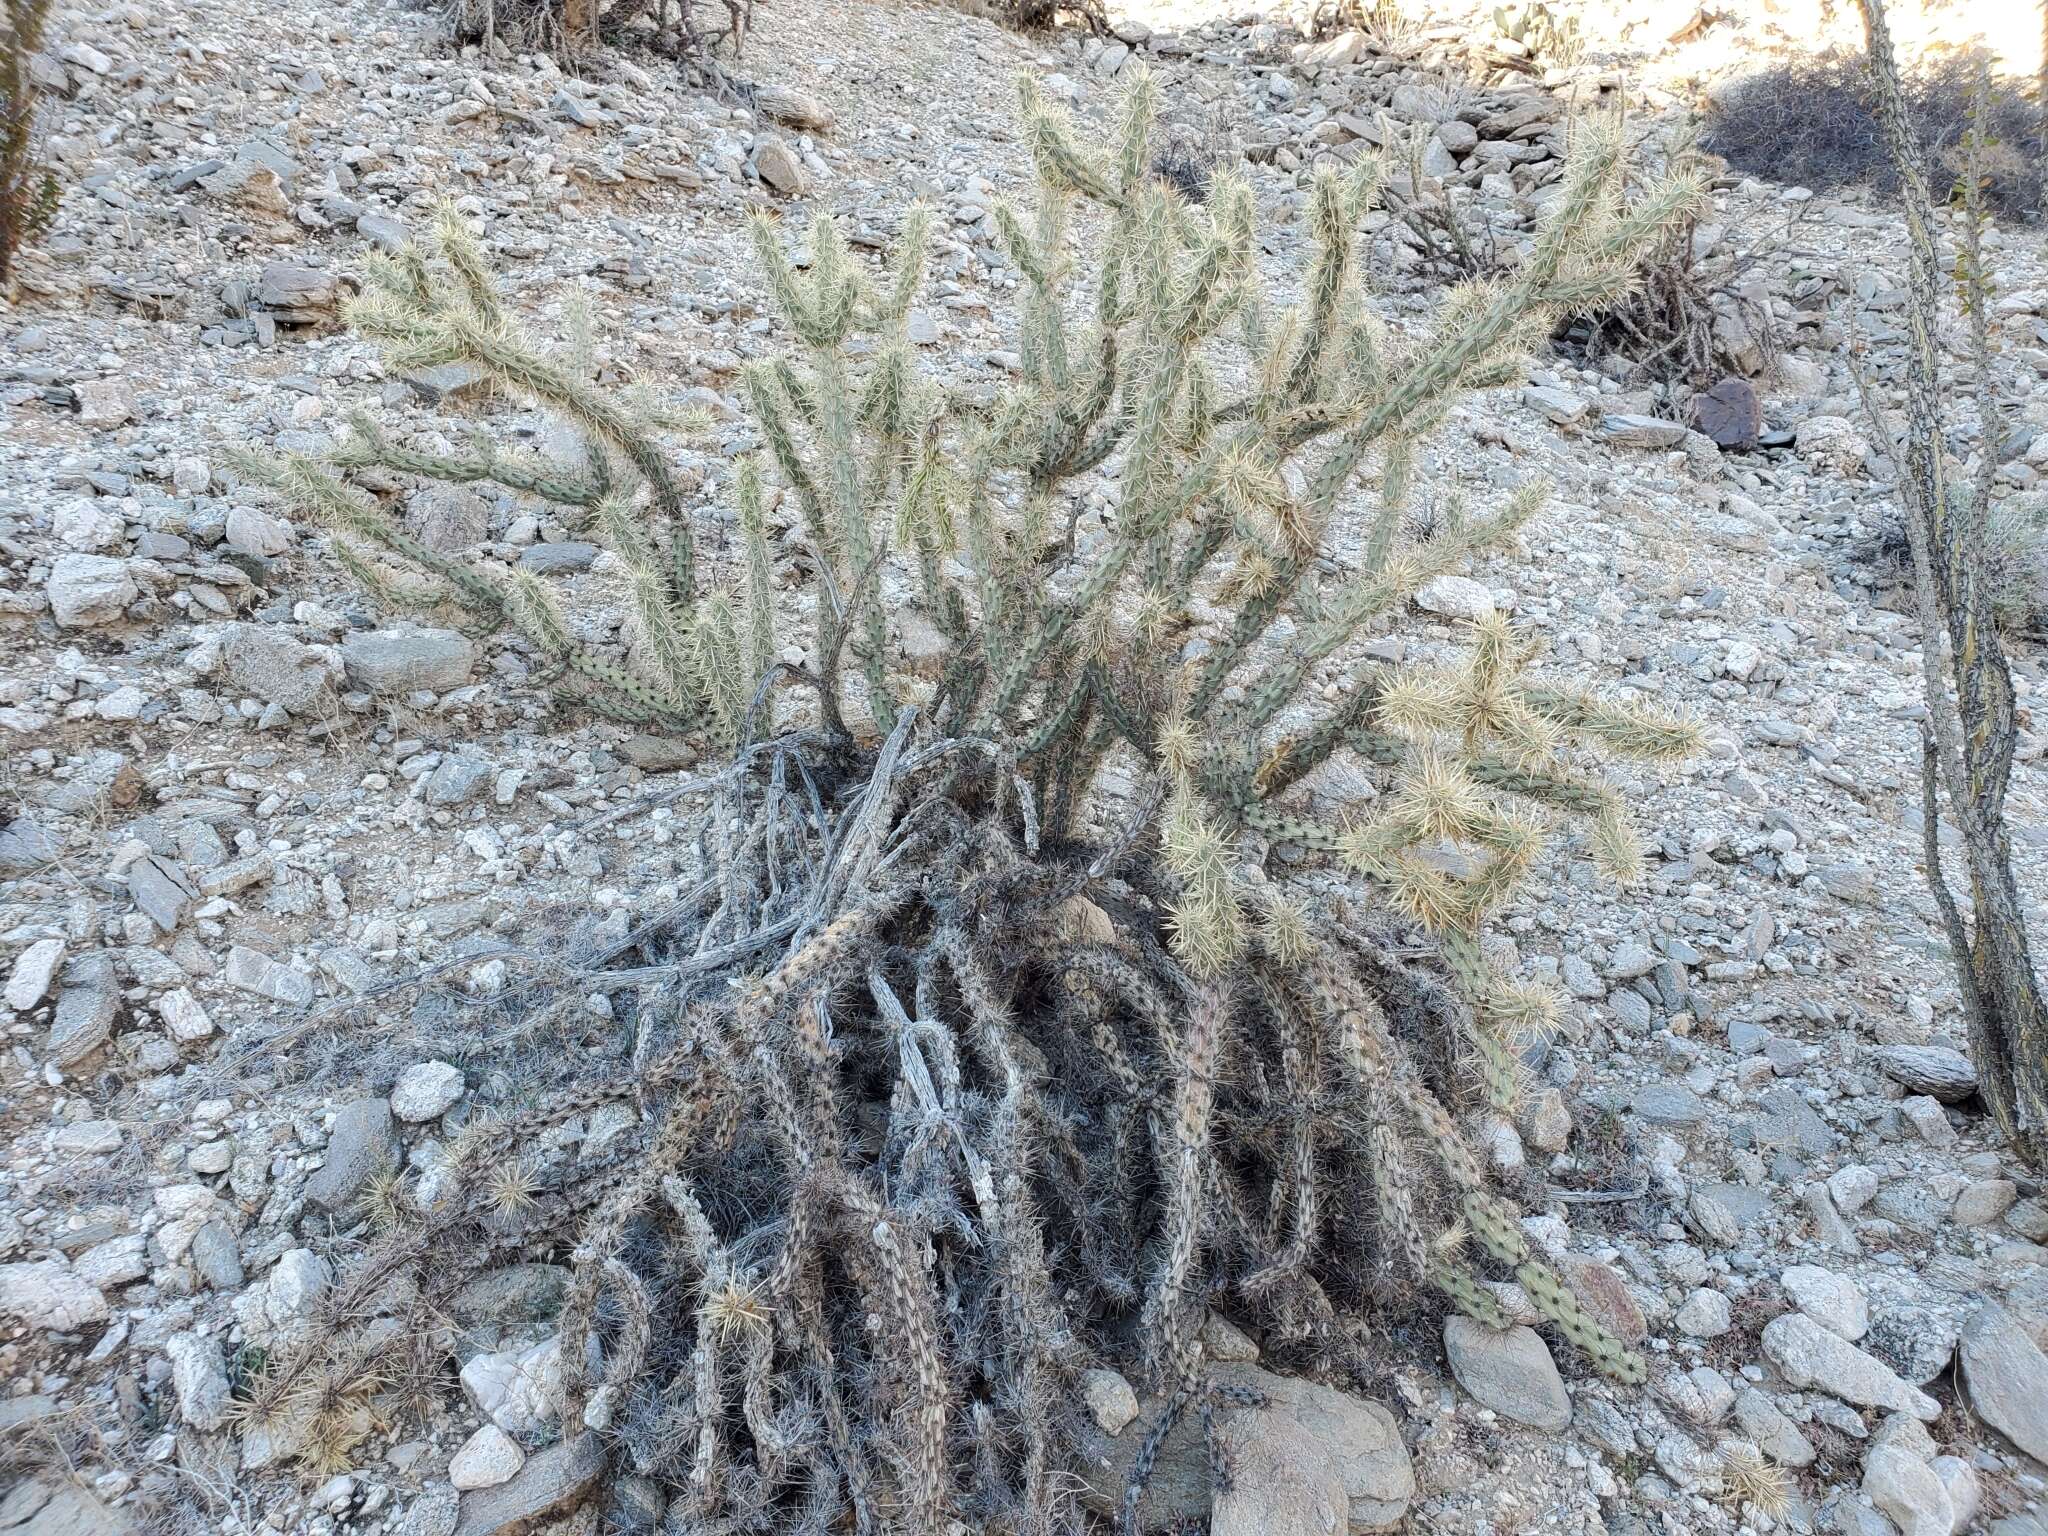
<point x="360" y="1146"/>
<point x="1730" y="414"/>
<point x="25" y="848"/>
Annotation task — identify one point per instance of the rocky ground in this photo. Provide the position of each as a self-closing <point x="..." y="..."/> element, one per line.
<point x="235" y="792"/>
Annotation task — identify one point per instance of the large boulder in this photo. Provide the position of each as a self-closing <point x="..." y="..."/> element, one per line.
<point x="2006" y="1375"/>
<point x="86" y="591"/>
<point x="1296" y="1450"/>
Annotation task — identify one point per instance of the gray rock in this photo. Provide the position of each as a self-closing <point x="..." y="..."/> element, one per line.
<point x="1705" y="1314"/>
<point x="780" y="170"/>
<point x="2006" y="1376"/>
<point x="448" y="381"/>
<point x="1284" y="1481"/>
<point x="1810" y="1356"/>
<point x="1984" y="1201"/>
<point x="26" y="848"/>
<point x="1111" y="1402"/>
<point x="361" y="1145"/>
<point x="1907" y="1490"/>
<point x="86" y="591"/>
<point x="558" y="559"/>
<point x="426" y="1091"/>
<point x="1509" y="1371"/>
<point x="1456" y="597"/>
<point x="117" y="1262"/>
<point x="1851" y="881"/>
<point x="86" y="1008"/>
<point x="1775" y="1435"/>
<point x="252" y="531"/>
<point x="1361" y="1438"/>
<point x="200" y="1377"/>
<point x="1929" y="1121"/>
<point x="1829" y="1299"/>
<point x="1934" y="1070"/>
<point x="299" y="295"/>
<point x="551" y="1481"/>
<point x="250" y="184"/>
<point x="1631" y="960"/>
<point x="57" y="1509"/>
<point x="1224" y="1340"/>
<point x="450" y="519"/>
<point x="1919" y="1343"/>
<point x="160" y="890"/>
<point x="486" y="1459"/>
<point x="1642" y="432"/>
<point x="278" y="1310"/>
<point x="47" y="1296"/>
<point x="104" y="402"/>
<point x="1789" y="1121"/>
<point x="456" y="779"/>
<point x="519" y="1389"/>
<point x="1852" y="1188"/>
<point x="1668" y="1104"/>
<point x="399" y="661"/>
<point x="267" y="664"/>
<point x="1712" y="1219"/>
<point x="217" y="1256"/>
<point x="254" y="971"/>
<point x="34" y="969"/>
<point x="184" y="1017"/>
<point x="384" y="231"/>
<point x="87" y="1138"/>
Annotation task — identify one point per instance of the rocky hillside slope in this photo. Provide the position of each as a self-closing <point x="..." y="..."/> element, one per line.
<point x="235" y="793"/>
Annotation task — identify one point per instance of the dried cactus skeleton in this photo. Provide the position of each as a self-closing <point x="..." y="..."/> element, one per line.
<point x="958" y="1073"/>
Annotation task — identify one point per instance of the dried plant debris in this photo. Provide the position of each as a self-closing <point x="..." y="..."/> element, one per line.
<point x="1809" y="121"/>
<point x="842" y="1235"/>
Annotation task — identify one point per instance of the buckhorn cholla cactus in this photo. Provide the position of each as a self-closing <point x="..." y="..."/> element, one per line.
<point x="1229" y="436"/>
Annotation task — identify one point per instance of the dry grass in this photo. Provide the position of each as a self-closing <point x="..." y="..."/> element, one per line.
<point x="1809" y="121"/>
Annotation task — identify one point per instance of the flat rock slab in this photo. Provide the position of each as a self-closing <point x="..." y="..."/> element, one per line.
<point x="2006" y="1376"/>
<point x="1810" y="1356"/>
<point x="34" y="969"/>
<point x="1301" y="1433"/>
<point x="1509" y="1371"/>
<point x="254" y="971"/>
<point x="404" y="660"/>
<point x="86" y="1008"/>
<point x="1934" y="1070"/>
<point x="1668" y="1104"/>
<point x="551" y="1481"/>
<point x="1284" y="1481"/>
<point x="361" y="1144"/>
<point x="161" y="890"/>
